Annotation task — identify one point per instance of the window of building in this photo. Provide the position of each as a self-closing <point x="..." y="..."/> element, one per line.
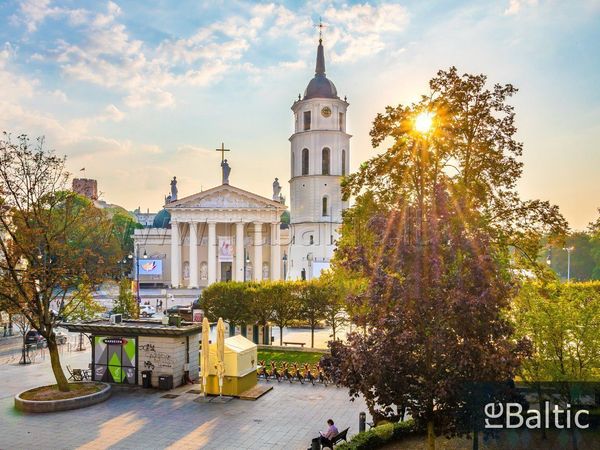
<point x="325" y="206"/>
<point x="331" y="239"/>
<point x="306" y="120"/>
<point x="343" y="162"/>
<point x="341" y="122"/>
<point x="325" y="161"/>
<point x="305" y="161"/>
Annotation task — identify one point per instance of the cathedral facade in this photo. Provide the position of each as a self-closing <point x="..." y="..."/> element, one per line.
<point x="227" y="233"/>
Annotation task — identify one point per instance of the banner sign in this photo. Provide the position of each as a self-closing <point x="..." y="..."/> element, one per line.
<point x="115" y="340"/>
<point x="150" y="266"/>
<point x="225" y="249"/>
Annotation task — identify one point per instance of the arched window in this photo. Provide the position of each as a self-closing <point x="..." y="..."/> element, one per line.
<point x="325" y="161"/>
<point x="325" y="206"/>
<point x="304" y="161"/>
<point x="344" y="162"/>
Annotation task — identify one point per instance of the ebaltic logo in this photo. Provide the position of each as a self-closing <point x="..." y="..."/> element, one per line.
<point x="532" y="419"/>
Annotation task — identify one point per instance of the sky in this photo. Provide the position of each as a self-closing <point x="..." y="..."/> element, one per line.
<point x="139" y="92"/>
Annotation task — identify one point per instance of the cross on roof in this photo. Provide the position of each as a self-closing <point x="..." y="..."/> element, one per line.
<point x="223" y="150"/>
<point x="320" y="26"/>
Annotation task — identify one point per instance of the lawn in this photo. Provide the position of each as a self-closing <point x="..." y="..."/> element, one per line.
<point x="291" y="356"/>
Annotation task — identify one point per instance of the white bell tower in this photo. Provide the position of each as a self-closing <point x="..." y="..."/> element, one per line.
<point x="320" y="155"/>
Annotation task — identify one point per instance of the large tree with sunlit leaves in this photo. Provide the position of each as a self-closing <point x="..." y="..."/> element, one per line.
<point x="439" y="232"/>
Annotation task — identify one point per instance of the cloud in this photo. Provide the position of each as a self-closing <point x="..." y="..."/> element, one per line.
<point x="514" y="6"/>
<point x="148" y="74"/>
<point x="363" y="29"/>
<point x="33" y="12"/>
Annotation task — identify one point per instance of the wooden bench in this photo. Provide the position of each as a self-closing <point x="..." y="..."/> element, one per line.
<point x="301" y="344"/>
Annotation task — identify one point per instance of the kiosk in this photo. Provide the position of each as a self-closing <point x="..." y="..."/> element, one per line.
<point x="142" y="352"/>
<point x="240" y="366"/>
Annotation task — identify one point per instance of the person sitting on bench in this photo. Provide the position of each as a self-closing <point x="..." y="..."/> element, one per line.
<point x="325" y="437"/>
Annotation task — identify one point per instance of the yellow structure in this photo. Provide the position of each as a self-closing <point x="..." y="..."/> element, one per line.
<point x="240" y="367"/>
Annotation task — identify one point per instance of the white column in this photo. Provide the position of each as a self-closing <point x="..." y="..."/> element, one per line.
<point x="193" y="255"/>
<point x="275" y="252"/>
<point x="239" y="252"/>
<point x="257" y="263"/>
<point x="175" y="255"/>
<point x="212" y="252"/>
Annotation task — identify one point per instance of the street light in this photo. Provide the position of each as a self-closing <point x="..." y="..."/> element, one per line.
<point x="568" y="250"/>
<point x="246" y="262"/>
<point x="285" y="260"/>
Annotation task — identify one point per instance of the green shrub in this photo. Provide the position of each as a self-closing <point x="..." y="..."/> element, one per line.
<point x="379" y="436"/>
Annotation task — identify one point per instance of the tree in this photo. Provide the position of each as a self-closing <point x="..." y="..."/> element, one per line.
<point x="123" y="228"/>
<point x="442" y="230"/>
<point x="81" y="305"/>
<point x="334" y="308"/>
<point x="313" y="296"/>
<point x="126" y="303"/>
<point x="50" y="239"/>
<point x="594" y="230"/>
<point x="262" y="300"/>
<point x="471" y="149"/>
<point x="562" y="321"/>
<point x="286" y="305"/>
<point x="228" y="300"/>
<point x="419" y="351"/>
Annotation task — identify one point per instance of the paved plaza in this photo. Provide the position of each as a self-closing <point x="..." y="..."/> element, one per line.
<point x="287" y="417"/>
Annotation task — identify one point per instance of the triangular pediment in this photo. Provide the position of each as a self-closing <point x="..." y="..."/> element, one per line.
<point x="225" y="197"/>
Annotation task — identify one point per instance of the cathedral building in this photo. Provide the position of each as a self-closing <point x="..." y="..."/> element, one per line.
<point x="227" y="233"/>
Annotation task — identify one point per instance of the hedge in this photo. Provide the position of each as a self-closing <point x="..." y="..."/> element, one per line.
<point x="378" y="436"/>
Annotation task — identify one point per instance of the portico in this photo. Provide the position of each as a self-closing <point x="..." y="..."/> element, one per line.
<point x="222" y="234"/>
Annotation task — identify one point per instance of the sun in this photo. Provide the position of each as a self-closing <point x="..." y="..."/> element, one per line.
<point x="423" y="122"/>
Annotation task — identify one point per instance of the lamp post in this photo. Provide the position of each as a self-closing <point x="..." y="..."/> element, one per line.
<point x="246" y="262"/>
<point x="137" y="272"/>
<point x="285" y="260"/>
<point x="568" y="250"/>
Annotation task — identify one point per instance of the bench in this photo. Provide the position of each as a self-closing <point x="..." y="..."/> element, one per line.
<point x="341" y="436"/>
<point x="301" y="344"/>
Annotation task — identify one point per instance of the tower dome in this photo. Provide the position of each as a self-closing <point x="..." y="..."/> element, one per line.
<point x="320" y="86"/>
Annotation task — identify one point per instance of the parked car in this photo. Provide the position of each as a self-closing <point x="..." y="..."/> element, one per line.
<point x="178" y="309"/>
<point x="147" y="311"/>
<point x="185" y="311"/>
<point x="33" y="337"/>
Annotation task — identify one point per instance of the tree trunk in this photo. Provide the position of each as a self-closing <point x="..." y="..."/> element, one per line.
<point x="61" y="379"/>
<point x="312" y="335"/>
<point x="281" y="335"/>
<point x="430" y="436"/>
<point x="333" y="329"/>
